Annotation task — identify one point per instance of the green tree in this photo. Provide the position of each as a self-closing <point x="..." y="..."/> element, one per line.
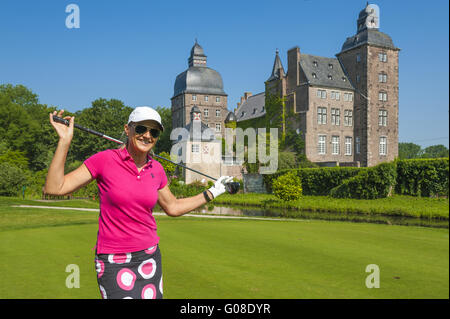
<point x="12" y="179"/>
<point x="24" y="124"/>
<point x="409" y="150"/>
<point x="164" y="143"/>
<point x="435" y="151"/>
<point x="169" y="168"/>
<point x="105" y="116"/>
<point x="16" y="158"/>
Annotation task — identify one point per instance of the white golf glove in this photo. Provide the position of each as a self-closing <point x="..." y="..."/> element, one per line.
<point x="219" y="187"/>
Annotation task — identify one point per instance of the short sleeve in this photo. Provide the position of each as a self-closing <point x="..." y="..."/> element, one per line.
<point x="96" y="162"/>
<point x="163" y="178"/>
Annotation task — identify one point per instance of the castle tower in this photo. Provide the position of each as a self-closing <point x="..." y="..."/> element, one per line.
<point x="201" y="87"/>
<point x="370" y="60"/>
<point x="276" y="83"/>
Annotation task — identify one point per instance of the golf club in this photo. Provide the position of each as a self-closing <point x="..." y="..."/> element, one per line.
<point x="231" y="187"/>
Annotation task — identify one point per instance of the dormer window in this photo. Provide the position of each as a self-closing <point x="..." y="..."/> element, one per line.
<point x="314" y="76"/>
<point x="315" y="63"/>
<point x="344" y="79"/>
<point x="330" y="66"/>
<point x="330" y="77"/>
<point x="254" y="111"/>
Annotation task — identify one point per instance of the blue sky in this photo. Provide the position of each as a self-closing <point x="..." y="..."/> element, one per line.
<point x="133" y="50"/>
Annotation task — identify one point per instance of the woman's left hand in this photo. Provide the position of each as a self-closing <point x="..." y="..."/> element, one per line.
<point x="219" y="186"/>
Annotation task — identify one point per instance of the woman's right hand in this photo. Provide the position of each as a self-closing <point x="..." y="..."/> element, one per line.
<point x="65" y="132"/>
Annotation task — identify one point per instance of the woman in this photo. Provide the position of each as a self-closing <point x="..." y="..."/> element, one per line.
<point x="130" y="183"/>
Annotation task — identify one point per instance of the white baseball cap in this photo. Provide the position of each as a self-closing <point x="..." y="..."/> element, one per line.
<point x="145" y="113"/>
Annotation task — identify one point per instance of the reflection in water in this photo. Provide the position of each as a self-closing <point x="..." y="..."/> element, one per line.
<point x="284" y="213"/>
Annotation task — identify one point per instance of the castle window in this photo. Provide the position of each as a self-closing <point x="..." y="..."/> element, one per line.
<point x="383" y="145"/>
<point x="358" y="78"/>
<point x="218" y="127"/>
<point x="382" y="96"/>
<point x="348" y="117"/>
<point x="321" y="94"/>
<point x="218" y="113"/>
<point x="382" y="77"/>
<point x="357" y="145"/>
<point x="348" y="97"/>
<point x="338" y="96"/>
<point x="217" y="98"/>
<point x="382" y="57"/>
<point x="194" y="97"/>
<point x="206" y="98"/>
<point x="358" y="57"/>
<point x="206" y="112"/>
<point x="321" y="115"/>
<point x="335" y="117"/>
<point x="333" y="95"/>
<point x="321" y="145"/>
<point x="382" y="118"/>
<point x="195" y="148"/>
<point x="335" y="145"/>
<point x="348" y="145"/>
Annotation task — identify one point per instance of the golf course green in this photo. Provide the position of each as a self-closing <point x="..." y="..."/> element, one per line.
<point x="228" y="258"/>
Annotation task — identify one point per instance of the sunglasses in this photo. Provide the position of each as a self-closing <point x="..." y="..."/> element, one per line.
<point x="141" y="129"/>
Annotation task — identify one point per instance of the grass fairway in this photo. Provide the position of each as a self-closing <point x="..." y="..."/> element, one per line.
<point x="224" y="258"/>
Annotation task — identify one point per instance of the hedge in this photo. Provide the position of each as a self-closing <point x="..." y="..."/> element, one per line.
<point x="422" y="177"/>
<point x="316" y="181"/>
<point x="371" y="183"/>
<point x="415" y="177"/>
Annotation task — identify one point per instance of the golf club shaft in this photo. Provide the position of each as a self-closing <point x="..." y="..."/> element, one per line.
<point x="66" y="122"/>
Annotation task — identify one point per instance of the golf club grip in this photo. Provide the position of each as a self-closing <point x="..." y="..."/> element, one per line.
<point x="66" y="122"/>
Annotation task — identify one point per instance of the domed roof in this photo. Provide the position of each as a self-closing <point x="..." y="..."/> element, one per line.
<point x="198" y="78"/>
<point x="201" y="80"/>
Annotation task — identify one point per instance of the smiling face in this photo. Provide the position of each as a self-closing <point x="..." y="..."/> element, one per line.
<point x="140" y="143"/>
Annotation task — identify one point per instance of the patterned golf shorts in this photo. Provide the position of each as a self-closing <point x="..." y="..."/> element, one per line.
<point x="136" y="275"/>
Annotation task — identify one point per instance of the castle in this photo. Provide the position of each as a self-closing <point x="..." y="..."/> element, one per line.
<point x="345" y="108"/>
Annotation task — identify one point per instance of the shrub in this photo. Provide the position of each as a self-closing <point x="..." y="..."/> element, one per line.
<point x="317" y="181"/>
<point x="370" y="183"/>
<point x="422" y="177"/>
<point x="182" y="190"/>
<point x="287" y="187"/>
<point x="12" y="179"/>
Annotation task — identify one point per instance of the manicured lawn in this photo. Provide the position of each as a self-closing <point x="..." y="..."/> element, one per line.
<point x="212" y="258"/>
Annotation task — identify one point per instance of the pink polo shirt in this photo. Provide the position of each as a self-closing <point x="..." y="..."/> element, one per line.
<point x="127" y="198"/>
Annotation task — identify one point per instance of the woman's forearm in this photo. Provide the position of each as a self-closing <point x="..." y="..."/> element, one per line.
<point x="185" y="205"/>
<point x="55" y="176"/>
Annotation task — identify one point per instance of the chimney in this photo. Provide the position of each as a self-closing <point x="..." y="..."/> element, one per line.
<point x="247" y="95"/>
<point x="293" y="69"/>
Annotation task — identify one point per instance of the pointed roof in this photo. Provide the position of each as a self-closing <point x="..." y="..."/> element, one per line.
<point x="197" y="57"/>
<point x="277" y="70"/>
